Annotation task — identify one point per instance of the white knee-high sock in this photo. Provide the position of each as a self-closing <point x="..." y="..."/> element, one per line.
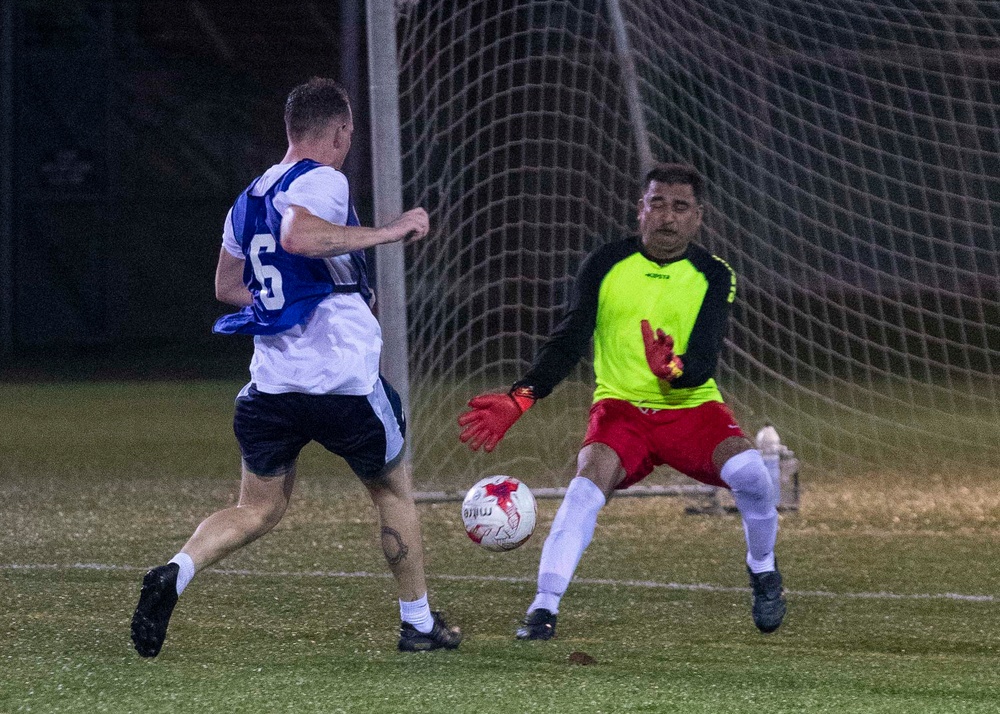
<point x="571" y="533"/>
<point x="756" y="496"/>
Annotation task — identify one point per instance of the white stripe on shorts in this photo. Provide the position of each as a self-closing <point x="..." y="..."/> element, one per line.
<point x="383" y="410"/>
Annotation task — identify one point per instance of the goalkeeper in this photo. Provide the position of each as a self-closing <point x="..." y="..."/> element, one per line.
<point x="657" y="307"/>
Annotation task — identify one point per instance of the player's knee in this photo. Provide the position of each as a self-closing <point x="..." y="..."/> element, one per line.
<point x="600" y="465"/>
<point x="747" y="475"/>
<point x="393" y="478"/>
<point x="264" y="517"/>
<point x="584" y="495"/>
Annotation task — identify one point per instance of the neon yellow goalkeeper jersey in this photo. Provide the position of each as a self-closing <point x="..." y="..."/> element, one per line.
<point x="618" y="287"/>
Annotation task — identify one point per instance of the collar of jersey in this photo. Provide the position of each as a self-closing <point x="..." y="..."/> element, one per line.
<point x="651" y="259"/>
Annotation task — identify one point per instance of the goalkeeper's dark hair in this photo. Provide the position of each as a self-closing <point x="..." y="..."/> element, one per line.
<point x="678" y="173"/>
<point x="310" y="107"/>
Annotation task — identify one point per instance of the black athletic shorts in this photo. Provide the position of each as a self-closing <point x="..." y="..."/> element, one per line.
<point x="366" y="431"/>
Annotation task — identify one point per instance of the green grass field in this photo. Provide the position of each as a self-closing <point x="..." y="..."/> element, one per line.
<point x="894" y="587"/>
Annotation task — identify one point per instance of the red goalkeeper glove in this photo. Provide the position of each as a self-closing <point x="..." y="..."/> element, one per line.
<point x="660" y="353"/>
<point x="491" y="416"/>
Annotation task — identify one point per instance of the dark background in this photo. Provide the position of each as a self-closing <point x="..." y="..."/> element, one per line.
<point x="132" y="128"/>
<point x="129" y="128"/>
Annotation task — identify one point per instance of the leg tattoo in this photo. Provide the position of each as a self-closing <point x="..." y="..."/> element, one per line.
<point x="393" y="547"/>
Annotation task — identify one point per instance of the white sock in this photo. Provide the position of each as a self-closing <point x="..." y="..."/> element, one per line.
<point x="756" y="496"/>
<point x="572" y="530"/>
<point x="766" y="565"/>
<point x="186" y="566"/>
<point x="417" y="613"/>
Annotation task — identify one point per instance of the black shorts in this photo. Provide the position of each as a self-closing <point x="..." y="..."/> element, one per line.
<point x="366" y="431"/>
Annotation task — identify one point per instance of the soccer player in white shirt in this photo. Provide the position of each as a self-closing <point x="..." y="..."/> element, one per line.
<point x="293" y="259"/>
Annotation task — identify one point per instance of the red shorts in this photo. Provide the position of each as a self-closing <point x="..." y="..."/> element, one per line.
<point x="683" y="439"/>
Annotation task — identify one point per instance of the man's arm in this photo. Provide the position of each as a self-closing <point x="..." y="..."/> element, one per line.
<point x="709" y="331"/>
<point x="303" y="233"/>
<point x="492" y="414"/>
<point x="229" y="287"/>
<point x="567" y="344"/>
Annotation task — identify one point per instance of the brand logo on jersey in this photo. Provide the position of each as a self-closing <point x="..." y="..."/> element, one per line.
<point x="661" y="276"/>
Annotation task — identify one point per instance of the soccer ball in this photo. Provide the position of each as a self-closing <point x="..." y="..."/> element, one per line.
<point x="499" y="513"/>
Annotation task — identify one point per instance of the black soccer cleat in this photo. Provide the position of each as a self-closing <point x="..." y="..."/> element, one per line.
<point x="152" y="614"/>
<point x="538" y="624"/>
<point x="440" y="637"/>
<point x="768" y="600"/>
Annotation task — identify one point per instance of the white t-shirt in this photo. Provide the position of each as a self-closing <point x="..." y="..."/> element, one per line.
<point x="336" y="351"/>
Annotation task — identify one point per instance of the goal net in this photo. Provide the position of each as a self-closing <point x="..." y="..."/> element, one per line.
<point x="853" y="162"/>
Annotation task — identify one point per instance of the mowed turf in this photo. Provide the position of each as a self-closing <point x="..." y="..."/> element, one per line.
<point x="894" y="594"/>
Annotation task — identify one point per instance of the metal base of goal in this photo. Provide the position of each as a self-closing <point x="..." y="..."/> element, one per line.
<point x="720" y="500"/>
<point x="708" y="500"/>
<point x="638" y="491"/>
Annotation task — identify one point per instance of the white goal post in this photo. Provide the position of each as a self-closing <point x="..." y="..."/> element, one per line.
<point x="853" y="161"/>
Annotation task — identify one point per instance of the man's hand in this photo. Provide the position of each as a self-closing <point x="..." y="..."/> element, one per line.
<point x="490" y="417"/>
<point x="411" y="226"/>
<point x="660" y="353"/>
